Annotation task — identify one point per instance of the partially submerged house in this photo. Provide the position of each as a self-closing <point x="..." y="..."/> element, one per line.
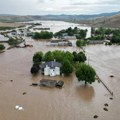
<point x="61" y="42"/>
<point x="51" y="68"/>
<point x="96" y="42"/>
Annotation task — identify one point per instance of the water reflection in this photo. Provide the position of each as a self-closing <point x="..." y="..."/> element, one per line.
<point x="85" y="93"/>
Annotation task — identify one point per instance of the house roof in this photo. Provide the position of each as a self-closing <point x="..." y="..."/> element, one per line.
<point x="51" y="64"/>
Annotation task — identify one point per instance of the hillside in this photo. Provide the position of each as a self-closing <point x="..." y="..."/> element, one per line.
<point x="14" y="18"/>
<point x="96" y="20"/>
<point x="111" y="22"/>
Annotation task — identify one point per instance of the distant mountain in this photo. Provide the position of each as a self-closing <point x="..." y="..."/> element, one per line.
<point x="110" y="22"/>
<point x="14" y="18"/>
<point x="74" y="18"/>
<point x="105" y="19"/>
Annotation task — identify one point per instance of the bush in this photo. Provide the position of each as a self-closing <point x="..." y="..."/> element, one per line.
<point x="67" y="67"/>
<point x="85" y="73"/>
<point x="35" y="69"/>
<point x="2" y="47"/>
<point x="38" y="56"/>
<point x="43" y="35"/>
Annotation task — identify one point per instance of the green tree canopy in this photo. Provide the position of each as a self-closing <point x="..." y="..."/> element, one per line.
<point x="58" y="55"/>
<point x="2" y="47"/>
<point x="85" y="73"/>
<point x="38" y="56"/>
<point x="48" y="56"/>
<point x="67" y="67"/>
<point x="43" y="35"/>
<point x="79" y="57"/>
<point x="81" y="34"/>
<point x="80" y="43"/>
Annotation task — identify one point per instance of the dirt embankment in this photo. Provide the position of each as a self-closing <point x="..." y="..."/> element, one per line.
<point x="14" y="24"/>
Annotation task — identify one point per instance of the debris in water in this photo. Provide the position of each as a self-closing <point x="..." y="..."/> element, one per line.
<point x="17" y="107"/>
<point x="95" y="116"/>
<point x="11" y="80"/>
<point x="111" y="76"/>
<point x="106" y="105"/>
<point x="20" y="108"/>
<point x="111" y="98"/>
<point x="105" y="109"/>
<point x="24" y="93"/>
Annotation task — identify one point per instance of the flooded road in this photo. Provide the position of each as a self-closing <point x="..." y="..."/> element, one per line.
<point x="73" y="101"/>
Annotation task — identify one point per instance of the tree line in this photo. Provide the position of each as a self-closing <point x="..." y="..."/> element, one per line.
<point x="70" y="62"/>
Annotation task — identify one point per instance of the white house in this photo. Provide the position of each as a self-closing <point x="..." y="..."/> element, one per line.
<point x="51" y="68"/>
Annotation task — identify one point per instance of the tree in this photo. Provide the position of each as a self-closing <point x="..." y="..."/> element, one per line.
<point x="79" y="57"/>
<point x="58" y="55"/>
<point x="35" y="68"/>
<point x="2" y="47"/>
<point x="13" y="41"/>
<point x="82" y="34"/>
<point x="80" y="43"/>
<point x="38" y="56"/>
<point x="69" y="56"/>
<point x="43" y="35"/>
<point x="67" y="67"/>
<point x="85" y="73"/>
<point x="48" y="56"/>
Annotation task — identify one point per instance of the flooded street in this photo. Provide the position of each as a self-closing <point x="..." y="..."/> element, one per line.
<point x="73" y="101"/>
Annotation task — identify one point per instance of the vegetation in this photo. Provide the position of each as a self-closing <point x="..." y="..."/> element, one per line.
<point x="85" y="73"/>
<point x="14" y="41"/>
<point x="6" y="28"/>
<point x="67" y="67"/>
<point x="35" y="69"/>
<point x="38" y="56"/>
<point x="116" y="37"/>
<point x="43" y="35"/>
<point x="79" y="57"/>
<point x="2" y="47"/>
<point x="80" y="34"/>
<point x="80" y="43"/>
<point x="48" y="56"/>
<point x="97" y="37"/>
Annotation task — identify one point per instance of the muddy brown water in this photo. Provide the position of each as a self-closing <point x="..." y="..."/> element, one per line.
<point x="73" y="101"/>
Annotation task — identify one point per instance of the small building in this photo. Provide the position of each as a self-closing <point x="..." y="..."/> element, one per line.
<point x="61" y="42"/>
<point x="51" y="68"/>
<point x="96" y="42"/>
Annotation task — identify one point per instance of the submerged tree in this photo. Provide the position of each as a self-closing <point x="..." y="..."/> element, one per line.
<point x="67" y="67"/>
<point x="2" y="47"/>
<point x="85" y="73"/>
<point x="38" y="56"/>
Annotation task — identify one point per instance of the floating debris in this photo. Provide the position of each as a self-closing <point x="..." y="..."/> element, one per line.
<point x="20" y="108"/>
<point x="105" y="109"/>
<point x="106" y="105"/>
<point x="24" y="93"/>
<point x="11" y="80"/>
<point x="95" y="116"/>
<point x="17" y="107"/>
<point x="111" y="76"/>
<point x="34" y="84"/>
<point x="111" y="98"/>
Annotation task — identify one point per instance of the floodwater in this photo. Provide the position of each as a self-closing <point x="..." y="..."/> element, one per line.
<point x="73" y="101"/>
<point x="56" y="26"/>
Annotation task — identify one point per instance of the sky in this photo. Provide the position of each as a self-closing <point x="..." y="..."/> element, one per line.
<point x="44" y="7"/>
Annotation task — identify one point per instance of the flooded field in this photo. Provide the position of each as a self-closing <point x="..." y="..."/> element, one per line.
<point x="73" y="101"/>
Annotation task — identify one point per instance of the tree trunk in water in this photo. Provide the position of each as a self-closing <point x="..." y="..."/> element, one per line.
<point x="85" y="83"/>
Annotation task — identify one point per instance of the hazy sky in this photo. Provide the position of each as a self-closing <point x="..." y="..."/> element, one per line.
<point x="41" y="7"/>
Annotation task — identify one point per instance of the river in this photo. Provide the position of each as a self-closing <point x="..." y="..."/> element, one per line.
<point x="73" y="101"/>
